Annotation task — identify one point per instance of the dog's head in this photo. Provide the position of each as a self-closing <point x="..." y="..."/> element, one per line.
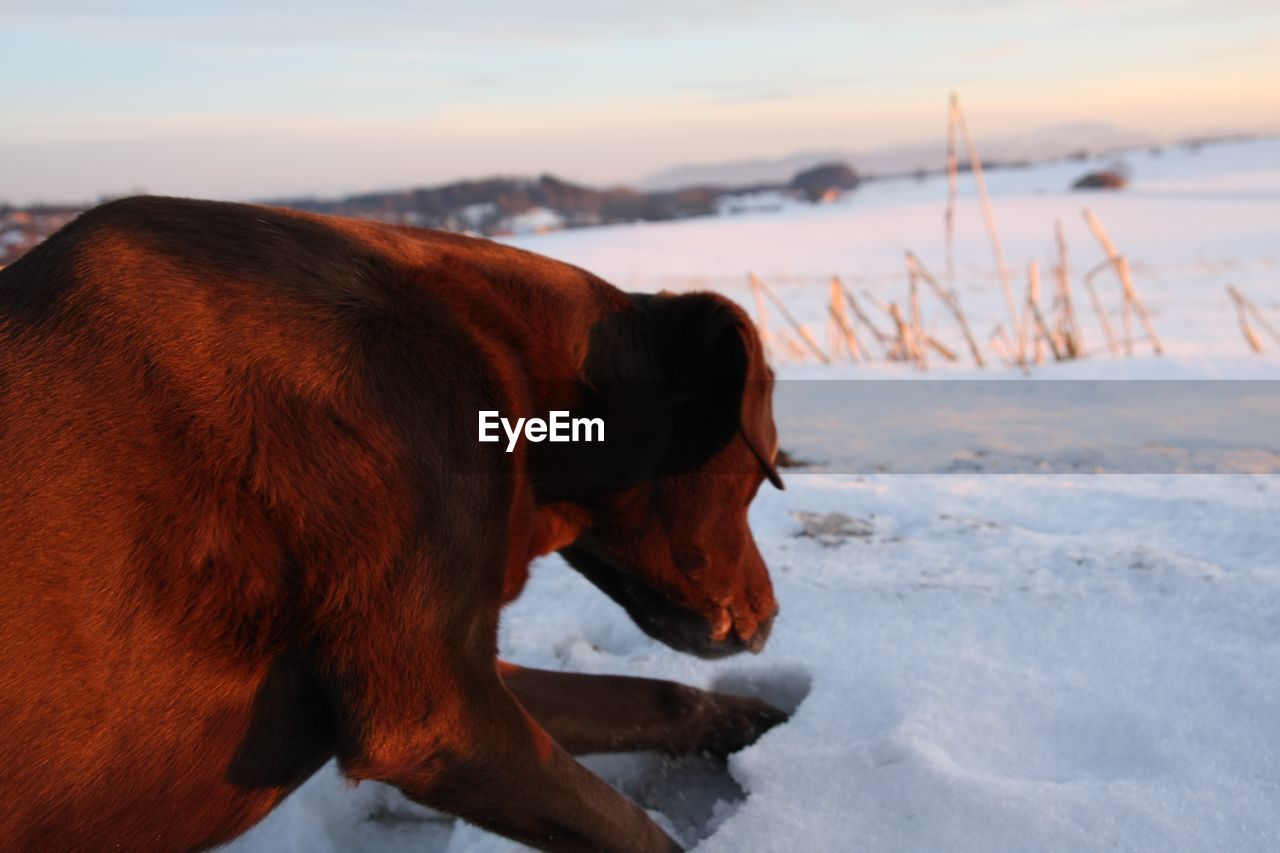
<point x="686" y="396"/>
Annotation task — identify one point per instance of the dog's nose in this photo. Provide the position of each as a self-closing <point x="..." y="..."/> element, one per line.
<point x="755" y="643"/>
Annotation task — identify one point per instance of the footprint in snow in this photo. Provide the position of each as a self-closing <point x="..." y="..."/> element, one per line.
<point x="833" y="528"/>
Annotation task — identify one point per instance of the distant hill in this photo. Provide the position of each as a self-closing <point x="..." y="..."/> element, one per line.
<point x="1053" y="141"/>
<point x="512" y="205"/>
<point x="732" y="173"/>
<point x="504" y="205"/>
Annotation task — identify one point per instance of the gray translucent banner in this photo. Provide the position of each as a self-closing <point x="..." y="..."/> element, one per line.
<point x="1015" y="426"/>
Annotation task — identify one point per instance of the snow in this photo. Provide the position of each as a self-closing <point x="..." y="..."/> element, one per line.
<point x="983" y="661"/>
<point x="1190" y="223"/>
<point x="533" y="221"/>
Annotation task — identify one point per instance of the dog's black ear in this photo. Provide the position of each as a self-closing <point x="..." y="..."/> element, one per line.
<point x="713" y="366"/>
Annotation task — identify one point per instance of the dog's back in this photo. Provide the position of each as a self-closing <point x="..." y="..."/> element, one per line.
<point x="203" y="415"/>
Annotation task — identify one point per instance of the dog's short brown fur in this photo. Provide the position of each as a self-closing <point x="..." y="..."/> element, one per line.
<point x="246" y="524"/>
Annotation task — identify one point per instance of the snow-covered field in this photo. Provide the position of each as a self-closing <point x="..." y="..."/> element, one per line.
<point x="1191" y="222"/>
<point x="996" y="661"/>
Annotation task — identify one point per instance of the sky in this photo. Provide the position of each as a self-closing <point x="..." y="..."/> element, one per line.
<point x="244" y="99"/>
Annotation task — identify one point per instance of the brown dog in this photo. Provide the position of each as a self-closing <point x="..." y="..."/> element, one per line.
<point x="246" y="523"/>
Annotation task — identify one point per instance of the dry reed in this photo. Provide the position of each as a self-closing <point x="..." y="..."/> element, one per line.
<point x="950" y="301"/>
<point x="989" y="218"/>
<point x="795" y="324"/>
<point x="1132" y="302"/>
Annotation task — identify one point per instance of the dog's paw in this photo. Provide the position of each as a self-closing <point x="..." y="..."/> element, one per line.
<point x="734" y="722"/>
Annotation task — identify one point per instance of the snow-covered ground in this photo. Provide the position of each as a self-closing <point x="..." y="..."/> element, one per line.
<point x="1191" y="222"/>
<point x="994" y="661"/>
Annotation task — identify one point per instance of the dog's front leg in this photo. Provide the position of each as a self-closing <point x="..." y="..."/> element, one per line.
<point x="612" y="713"/>
<point x="477" y="754"/>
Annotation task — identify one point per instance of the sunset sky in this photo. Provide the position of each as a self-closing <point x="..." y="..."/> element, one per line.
<point x="243" y="99"/>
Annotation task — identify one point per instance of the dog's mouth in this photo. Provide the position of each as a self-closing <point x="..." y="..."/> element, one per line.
<point x="680" y="627"/>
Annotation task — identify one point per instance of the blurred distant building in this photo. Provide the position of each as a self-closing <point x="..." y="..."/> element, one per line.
<point x="23" y="228"/>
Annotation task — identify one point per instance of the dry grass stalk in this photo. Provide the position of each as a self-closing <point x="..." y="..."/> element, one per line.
<point x="793" y="349"/>
<point x="1261" y="318"/>
<point x="897" y="344"/>
<point x="836" y="344"/>
<point x="902" y="344"/>
<point x="917" y="320"/>
<point x="952" y="302"/>
<point x="1000" y="345"/>
<point x="1245" y="307"/>
<point x="1101" y="312"/>
<point x="1132" y="300"/>
<point x="949" y="218"/>
<point x="795" y="324"/>
<point x="1126" y="312"/>
<point x="1027" y="331"/>
<point x="1032" y="327"/>
<point x="877" y="301"/>
<point x="1043" y="334"/>
<point x="941" y="349"/>
<point x="762" y="318"/>
<point x="840" y="317"/>
<point x="1069" y="327"/>
<point x="988" y="217"/>
<point x="1250" y="336"/>
<point x="1099" y="268"/>
<point x="843" y="338"/>
<point x="884" y="340"/>
<point x="906" y="349"/>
